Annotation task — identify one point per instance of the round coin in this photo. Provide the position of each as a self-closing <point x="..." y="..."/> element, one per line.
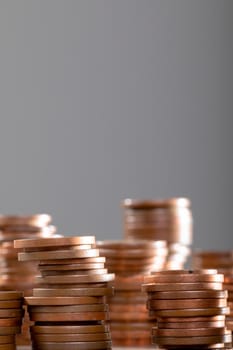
<point x="64" y="329"/>
<point x="95" y="278"/>
<point x="70" y="337"/>
<point x="54" y="242"/>
<point x="58" y="254"/>
<point x="94" y="345"/>
<point x="185" y="303"/>
<point x="56" y="292"/>
<point x="191" y="312"/>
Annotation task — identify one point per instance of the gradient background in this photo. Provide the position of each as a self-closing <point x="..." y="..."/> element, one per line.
<point x="103" y="100"/>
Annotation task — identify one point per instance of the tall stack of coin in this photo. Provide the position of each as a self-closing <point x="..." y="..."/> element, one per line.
<point x="69" y="309"/>
<point x="190" y="308"/>
<point x="15" y="275"/>
<point x="11" y="314"/>
<point x="169" y="220"/>
<point x="223" y="262"/>
<point x="130" y="261"/>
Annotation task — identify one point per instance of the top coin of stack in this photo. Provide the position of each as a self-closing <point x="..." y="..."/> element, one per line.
<point x="168" y="219"/>
<point x="14" y="274"/>
<point x="130" y="260"/>
<point x="69" y="310"/>
<point x="190" y="307"/>
<point x="223" y="262"/>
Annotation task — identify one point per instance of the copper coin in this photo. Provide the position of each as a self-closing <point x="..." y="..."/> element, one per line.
<point x="58" y="248"/>
<point x="10" y="330"/>
<point x="196" y="294"/>
<point x="211" y="318"/>
<point x="63" y="300"/>
<point x="51" y="242"/>
<point x="10" y="346"/>
<point x="95" y="259"/>
<point x="6" y="339"/>
<point x="185" y="272"/>
<point x="10" y="304"/>
<point x="151" y="287"/>
<point x="72" y="345"/>
<point x="74" y="272"/>
<point x="130" y="244"/>
<point x="191" y="332"/>
<point x="10" y="295"/>
<point x="70" y="337"/>
<point x="64" y="329"/>
<point x="38" y="220"/>
<point x="186" y="303"/>
<point x="58" y="254"/>
<point x="68" y="316"/>
<point x="6" y="322"/>
<point x="43" y="292"/>
<point x="127" y="308"/>
<point x="159" y="203"/>
<point x="70" y="267"/>
<point x="68" y="308"/>
<point x="95" y="278"/>
<point x="187" y="324"/>
<point x="192" y="340"/>
<point x="183" y="278"/>
<point x="191" y="312"/>
<point x="11" y="313"/>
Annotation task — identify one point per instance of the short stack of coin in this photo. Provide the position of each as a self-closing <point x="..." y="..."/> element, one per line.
<point x="130" y="260"/>
<point x="223" y="262"/>
<point x="14" y="274"/>
<point x="190" y="307"/>
<point x="69" y="309"/>
<point x="11" y="314"/>
<point x="168" y="219"/>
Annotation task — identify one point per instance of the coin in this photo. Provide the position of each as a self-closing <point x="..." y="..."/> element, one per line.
<point x="191" y="312"/>
<point x="10" y="330"/>
<point x="73" y="272"/>
<point x="68" y="316"/>
<point x="10" y="346"/>
<point x="58" y="254"/>
<point x="47" y="292"/>
<point x="71" y="328"/>
<point x="72" y="337"/>
<point x="186" y="303"/>
<point x="11" y="313"/>
<point x="192" y="294"/>
<point x="188" y="325"/>
<point x="95" y="278"/>
<point x="54" y="242"/>
<point x="96" y="259"/>
<point x="6" y="339"/>
<point x="11" y="295"/>
<point x="10" y="304"/>
<point x="68" y="308"/>
<point x="183" y="278"/>
<point x="159" y="203"/>
<point x="190" y="332"/>
<point x="200" y="340"/>
<point x="73" y="345"/>
<point x="151" y="287"/>
<point x="64" y="300"/>
<point x="38" y="220"/>
<point x="70" y="267"/>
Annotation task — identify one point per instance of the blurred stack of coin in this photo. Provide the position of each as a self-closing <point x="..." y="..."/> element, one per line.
<point x="69" y="308"/>
<point x="190" y="307"/>
<point x="169" y="220"/>
<point x="130" y="260"/>
<point x="223" y="262"/>
<point x="11" y="314"/>
<point x="15" y="275"/>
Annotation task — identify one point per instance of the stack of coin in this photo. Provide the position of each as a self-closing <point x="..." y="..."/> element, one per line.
<point x="169" y="220"/>
<point x="223" y="262"/>
<point x="190" y="307"/>
<point x="15" y="275"/>
<point x="11" y="314"/>
<point x="130" y="260"/>
<point x="69" y="308"/>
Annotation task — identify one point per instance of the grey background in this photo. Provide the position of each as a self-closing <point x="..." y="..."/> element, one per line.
<point x="102" y="100"/>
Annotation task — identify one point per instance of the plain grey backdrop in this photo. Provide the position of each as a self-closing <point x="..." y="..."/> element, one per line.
<point x="102" y="100"/>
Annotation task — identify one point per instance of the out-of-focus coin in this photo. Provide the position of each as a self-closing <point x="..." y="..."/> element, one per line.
<point x="71" y="337"/>
<point x="58" y="254"/>
<point x="103" y="345"/>
<point x="68" y="316"/>
<point x="95" y="278"/>
<point x="64" y="300"/>
<point x="185" y="303"/>
<point x="54" y="242"/>
<point x="151" y="287"/>
<point x="191" y="312"/>
<point x="71" y="328"/>
<point x="195" y="294"/>
<point x="55" y="292"/>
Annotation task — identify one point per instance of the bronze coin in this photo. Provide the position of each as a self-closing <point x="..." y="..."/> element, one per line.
<point x="151" y="287"/>
<point x="103" y="345"/>
<point x="185" y="303"/>
<point x="190" y="332"/>
<point x="54" y="242"/>
<point x="95" y="278"/>
<point x="175" y="319"/>
<point x="68" y="308"/>
<point x="58" y="254"/>
<point x="70" y="337"/>
<point x="10" y="295"/>
<point x="35" y="301"/>
<point x="10" y="330"/>
<point x="131" y="244"/>
<point x="191" y="312"/>
<point x="196" y="294"/>
<point x="58" y="248"/>
<point x="68" y="316"/>
<point x="95" y="259"/>
<point x="6" y="339"/>
<point x="185" y="272"/>
<point x="159" y="203"/>
<point x="38" y="220"/>
<point x="43" y="292"/>
<point x="68" y="329"/>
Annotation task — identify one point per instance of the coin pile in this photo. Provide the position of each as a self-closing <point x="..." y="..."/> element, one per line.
<point x="130" y="260"/>
<point x="169" y="220"/>
<point x="190" y="307"/>
<point x="223" y="262"/>
<point x="68" y="309"/>
<point x="11" y="314"/>
<point x="15" y="275"/>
